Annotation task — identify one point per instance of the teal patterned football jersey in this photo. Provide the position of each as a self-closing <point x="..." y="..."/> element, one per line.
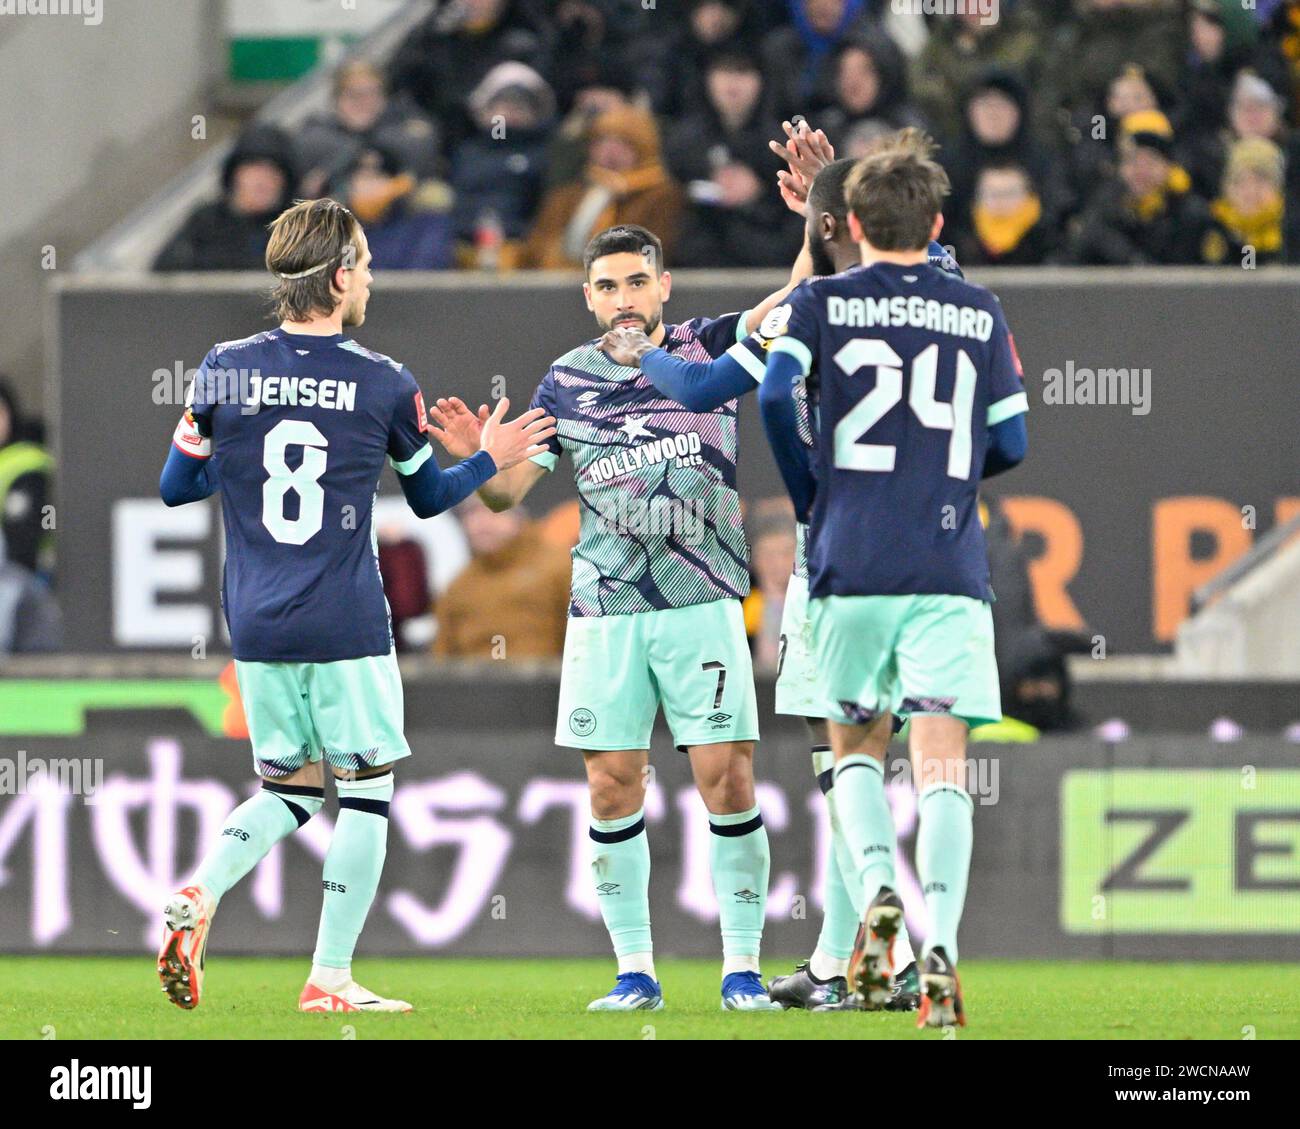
<point x="661" y="523"/>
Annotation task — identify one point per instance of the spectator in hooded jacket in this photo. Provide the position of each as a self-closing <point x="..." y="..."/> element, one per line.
<point x="866" y="81"/>
<point x="965" y="46"/>
<point x="1007" y="224"/>
<point x="1221" y="38"/>
<point x="498" y="174"/>
<point x="257" y="184"/>
<point x="720" y="154"/>
<point x="624" y="181"/>
<point x="407" y="222"/>
<point x="444" y="59"/>
<point x="609" y="88"/>
<point x="711" y="28"/>
<point x="997" y="130"/>
<point x="1148" y="213"/>
<point x="1249" y="212"/>
<point x="512" y="599"/>
<point x="363" y="115"/>
<point x="795" y="57"/>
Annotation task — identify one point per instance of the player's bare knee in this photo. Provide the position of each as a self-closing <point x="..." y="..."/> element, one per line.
<point x="616" y="784"/>
<point x="613" y="797"/>
<point x="726" y="781"/>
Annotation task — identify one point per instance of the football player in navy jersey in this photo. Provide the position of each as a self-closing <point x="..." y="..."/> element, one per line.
<point x="820" y="982"/>
<point x="916" y="393"/>
<point x="293" y="426"/>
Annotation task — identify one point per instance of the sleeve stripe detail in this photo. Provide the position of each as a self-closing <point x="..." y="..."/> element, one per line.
<point x="797" y="349"/>
<point x="546" y="460"/>
<point x="415" y="462"/>
<point x="741" y="331"/>
<point x="746" y="359"/>
<point x="1007" y="407"/>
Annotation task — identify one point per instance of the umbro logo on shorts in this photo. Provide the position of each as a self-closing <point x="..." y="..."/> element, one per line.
<point x="606" y="888"/>
<point x="720" y="719"/>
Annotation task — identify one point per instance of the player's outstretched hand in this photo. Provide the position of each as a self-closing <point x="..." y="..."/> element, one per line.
<point x="456" y="427"/>
<point x="806" y="152"/>
<point x="626" y="346"/>
<point x="520" y="439"/>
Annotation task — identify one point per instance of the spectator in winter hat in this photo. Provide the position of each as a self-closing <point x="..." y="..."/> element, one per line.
<point x="257" y="183"/>
<point x="363" y="115"/>
<point x="624" y="182"/>
<point x="1147" y="213"/>
<point x="407" y="222"/>
<point x="1249" y="211"/>
<point x="498" y="174"/>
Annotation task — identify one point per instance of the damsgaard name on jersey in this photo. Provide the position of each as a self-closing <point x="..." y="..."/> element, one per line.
<point x="910" y="310"/>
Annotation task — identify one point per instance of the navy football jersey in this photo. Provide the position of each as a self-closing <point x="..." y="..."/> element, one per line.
<point x="908" y="369"/>
<point x="300" y="427"/>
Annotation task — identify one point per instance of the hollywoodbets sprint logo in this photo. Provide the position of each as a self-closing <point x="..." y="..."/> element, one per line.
<point x="683" y="449"/>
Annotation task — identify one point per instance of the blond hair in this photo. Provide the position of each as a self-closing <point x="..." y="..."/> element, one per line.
<point x="309" y="242"/>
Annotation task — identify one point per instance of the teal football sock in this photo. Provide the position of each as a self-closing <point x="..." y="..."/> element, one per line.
<point x="740" y="861"/>
<point x="353" y="864"/>
<point x="620" y="869"/>
<point x="943" y="849"/>
<point x="866" y="825"/>
<point x="839" y="917"/>
<point x="252" y="829"/>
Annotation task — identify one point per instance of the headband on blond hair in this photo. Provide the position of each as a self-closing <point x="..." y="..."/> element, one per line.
<point x="303" y="273"/>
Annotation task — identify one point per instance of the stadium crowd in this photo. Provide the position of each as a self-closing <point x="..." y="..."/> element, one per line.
<point x="504" y="133"/>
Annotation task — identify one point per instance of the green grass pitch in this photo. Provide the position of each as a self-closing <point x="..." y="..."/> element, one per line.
<point x="117" y="997"/>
